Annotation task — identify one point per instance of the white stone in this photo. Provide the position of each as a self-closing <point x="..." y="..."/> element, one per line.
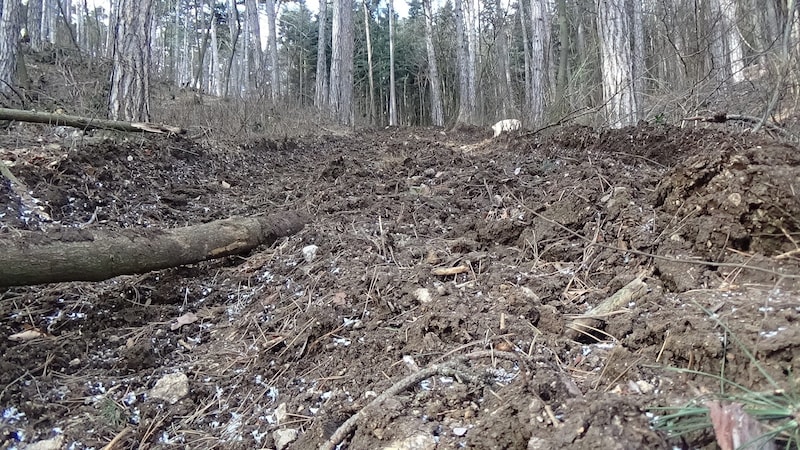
<point x="415" y="442"/>
<point x="53" y="443"/>
<point x="310" y="252"/>
<point x="284" y="437"/>
<point x="171" y="387"/>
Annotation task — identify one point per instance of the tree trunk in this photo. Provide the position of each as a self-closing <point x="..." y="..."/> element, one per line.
<point x="49" y="20"/>
<point x="234" y="28"/>
<point x="9" y="44"/>
<point x="466" y="112"/>
<point x="341" y="81"/>
<point x="563" y="58"/>
<point x="527" y="106"/>
<point x="614" y="29"/>
<point x="733" y="40"/>
<point x="502" y="65"/>
<point x="370" y="71"/>
<point x="80" y="255"/>
<point x="85" y="123"/>
<point x="214" y="83"/>
<point x="272" y="43"/>
<point x="540" y="44"/>
<point x="199" y="70"/>
<point x="392" y="88"/>
<point x="129" y="97"/>
<point x="34" y="24"/>
<point x="320" y="86"/>
<point x="471" y="19"/>
<point x="437" y="111"/>
<point x="256" y="54"/>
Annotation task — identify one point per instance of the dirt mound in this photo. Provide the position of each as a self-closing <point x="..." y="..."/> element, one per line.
<point x="445" y="273"/>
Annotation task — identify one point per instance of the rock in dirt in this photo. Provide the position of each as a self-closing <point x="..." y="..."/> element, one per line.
<point x="310" y="252"/>
<point x="284" y="437"/>
<point x="53" y="443"/>
<point x="420" y="441"/>
<point x="171" y="387"/>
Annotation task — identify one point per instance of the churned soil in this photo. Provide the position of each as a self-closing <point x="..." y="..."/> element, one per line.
<point x="435" y="297"/>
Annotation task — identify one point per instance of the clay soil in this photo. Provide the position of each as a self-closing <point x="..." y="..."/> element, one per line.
<point x="288" y="342"/>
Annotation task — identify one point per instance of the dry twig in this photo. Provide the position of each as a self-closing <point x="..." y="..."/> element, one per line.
<point x="448" y="368"/>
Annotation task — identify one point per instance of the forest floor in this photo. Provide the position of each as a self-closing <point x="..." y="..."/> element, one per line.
<point x="279" y="347"/>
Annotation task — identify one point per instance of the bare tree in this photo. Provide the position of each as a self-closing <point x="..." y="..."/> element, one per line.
<point x="726" y="45"/>
<point x="129" y="96"/>
<point x="234" y="30"/>
<point x="9" y="43"/>
<point x="321" y="85"/>
<point x="614" y="25"/>
<point x="503" y="84"/>
<point x="272" y="44"/>
<point x="466" y="68"/>
<point x="341" y="80"/>
<point x="540" y="44"/>
<point x="255" y="56"/>
<point x="370" y="70"/>
<point x="526" y="54"/>
<point x="392" y="89"/>
<point x="34" y="25"/>
<point x="437" y="111"/>
<point x="49" y="20"/>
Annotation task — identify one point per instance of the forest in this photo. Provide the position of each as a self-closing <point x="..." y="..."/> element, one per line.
<point x="467" y="62"/>
<point x="261" y="224"/>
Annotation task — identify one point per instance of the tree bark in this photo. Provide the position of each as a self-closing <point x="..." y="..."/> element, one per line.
<point x="466" y="112"/>
<point x="437" y="111"/>
<point x="341" y="81"/>
<point x="9" y="40"/>
<point x="49" y="20"/>
<point x="527" y="104"/>
<point x="199" y="70"/>
<point x="34" y="23"/>
<point x="234" y="28"/>
<point x="614" y="28"/>
<point x="502" y="64"/>
<point x="540" y="44"/>
<point x="563" y="58"/>
<point x="254" y="40"/>
<point x="320" y="85"/>
<point x="85" y="123"/>
<point x="129" y="97"/>
<point x="392" y="87"/>
<point x="272" y="43"/>
<point x="80" y="255"/>
<point x="215" y="83"/>
<point x="370" y="73"/>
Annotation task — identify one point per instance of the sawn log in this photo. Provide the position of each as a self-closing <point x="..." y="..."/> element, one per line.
<point x="79" y="255"/>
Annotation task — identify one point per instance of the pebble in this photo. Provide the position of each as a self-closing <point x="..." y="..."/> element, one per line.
<point x="171" y="387"/>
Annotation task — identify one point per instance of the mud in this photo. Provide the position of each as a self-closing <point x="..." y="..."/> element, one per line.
<point x="286" y="347"/>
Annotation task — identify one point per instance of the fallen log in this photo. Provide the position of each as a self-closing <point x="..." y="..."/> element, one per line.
<point x="79" y="255"/>
<point x="86" y="123"/>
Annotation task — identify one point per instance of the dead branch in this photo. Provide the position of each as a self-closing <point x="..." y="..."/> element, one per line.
<point x="448" y="368"/>
<point x="619" y="300"/>
<point x="79" y="255"/>
<point x="86" y="123"/>
<point x="722" y="117"/>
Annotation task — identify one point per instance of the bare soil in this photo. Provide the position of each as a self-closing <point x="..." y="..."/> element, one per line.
<point x="286" y="345"/>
